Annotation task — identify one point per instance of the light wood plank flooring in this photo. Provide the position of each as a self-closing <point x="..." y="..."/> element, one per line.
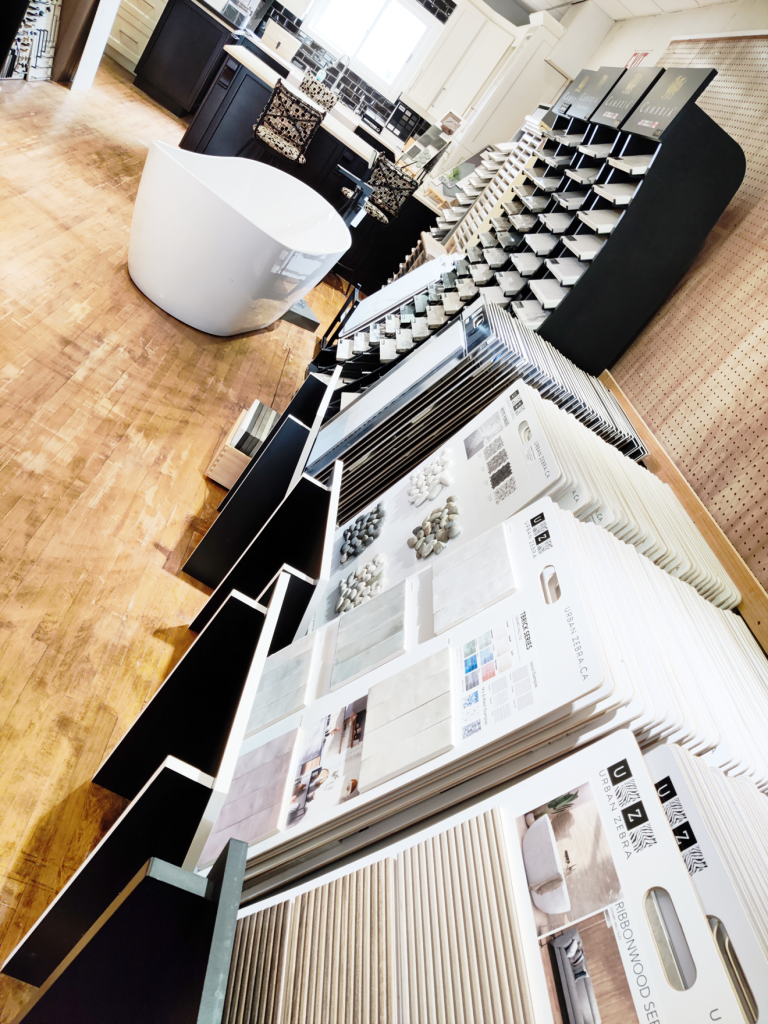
<point x="109" y="413"/>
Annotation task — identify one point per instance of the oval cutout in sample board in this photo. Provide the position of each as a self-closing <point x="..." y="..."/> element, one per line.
<point x="550" y="584"/>
<point x="669" y="938"/>
<point x="734" y="969"/>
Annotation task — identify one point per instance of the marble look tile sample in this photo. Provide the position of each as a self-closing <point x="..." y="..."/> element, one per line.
<point x="370" y="635"/>
<point x="475" y="576"/>
<point x="284" y="684"/>
<point x="254" y="803"/>
<point x="409" y="720"/>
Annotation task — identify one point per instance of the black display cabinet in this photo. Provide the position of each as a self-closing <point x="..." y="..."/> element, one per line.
<point x="641" y="179"/>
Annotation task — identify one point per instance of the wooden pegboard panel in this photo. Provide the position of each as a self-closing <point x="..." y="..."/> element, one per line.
<point x="697" y="374"/>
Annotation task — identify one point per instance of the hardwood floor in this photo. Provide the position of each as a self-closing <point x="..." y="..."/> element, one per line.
<point x="109" y="413"/>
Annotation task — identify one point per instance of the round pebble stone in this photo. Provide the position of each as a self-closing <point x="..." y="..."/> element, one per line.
<point x="438" y="547"/>
<point x="454" y="530"/>
<point x="411" y="542"/>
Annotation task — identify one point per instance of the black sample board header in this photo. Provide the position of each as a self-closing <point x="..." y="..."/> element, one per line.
<point x="675" y="88"/>
<point x="625" y="96"/>
<point x="587" y="91"/>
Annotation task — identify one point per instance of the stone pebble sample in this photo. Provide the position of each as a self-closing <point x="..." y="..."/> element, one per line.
<point x="440" y="526"/>
<point x="362" y="532"/>
<point x="426" y="483"/>
<point x="361" y="585"/>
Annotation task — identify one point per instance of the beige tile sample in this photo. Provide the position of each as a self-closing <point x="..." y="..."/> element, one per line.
<point x="252" y="809"/>
<point x="471" y="578"/>
<point x="409" y="720"/>
<point x="284" y="684"/>
<point x="370" y="635"/>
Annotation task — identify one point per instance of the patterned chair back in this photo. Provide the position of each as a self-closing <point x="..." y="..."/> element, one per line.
<point x="392" y="187"/>
<point x="288" y="123"/>
<point x="318" y="92"/>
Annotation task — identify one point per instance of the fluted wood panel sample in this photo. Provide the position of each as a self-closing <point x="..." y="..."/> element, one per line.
<point x="461" y="955"/>
<point x="341" y="959"/>
<point x="258" y="960"/>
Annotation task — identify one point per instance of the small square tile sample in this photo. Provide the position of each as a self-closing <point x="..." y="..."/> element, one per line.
<point x="284" y="684"/>
<point x="467" y="289"/>
<point x="500" y="224"/>
<point x="512" y="207"/>
<point x="541" y="242"/>
<point x="370" y="635"/>
<point x="585" y="246"/>
<point x="523" y="221"/>
<point x="510" y="240"/>
<point x="549" y="292"/>
<point x="526" y="263"/>
<point x="510" y="282"/>
<point x="556" y="222"/>
<point x="496" y="258"/>
<point x="494" y="295"/>
<point x="584" y="175"/>
<point x="475" y="576"/>
<point x="537" y="204"/>
<point x="618" y="193"/>
<point x="452" y="303"/>
<point x="488" y="240"/>
<point x="529" y="312"/>
<point x="570" y="200"/>
<point x="482" y="273"/>
<point x="420" y="328"/>
<point x="409" y="720"/>
<point x="601" y="221"/>
<point x="254" y="804"/>
<point x="567" y="269"/>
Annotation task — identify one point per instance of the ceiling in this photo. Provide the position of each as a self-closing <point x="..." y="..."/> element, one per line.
<point x="622" y="9"/>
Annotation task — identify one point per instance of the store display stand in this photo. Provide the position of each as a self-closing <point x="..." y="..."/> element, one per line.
<point x="263" y="484"/>
<point x="160" y="952"/>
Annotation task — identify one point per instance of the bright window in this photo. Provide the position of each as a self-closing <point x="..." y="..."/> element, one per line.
<point x="379" y="36"/>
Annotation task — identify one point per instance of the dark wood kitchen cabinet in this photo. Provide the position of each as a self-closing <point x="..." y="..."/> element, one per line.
<point x="183" y="55"/>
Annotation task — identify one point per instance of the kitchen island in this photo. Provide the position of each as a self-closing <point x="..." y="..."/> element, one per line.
<point x="223" y="126"/>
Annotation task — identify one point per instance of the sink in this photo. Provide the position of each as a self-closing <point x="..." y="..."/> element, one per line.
<point x="228" y="245"/>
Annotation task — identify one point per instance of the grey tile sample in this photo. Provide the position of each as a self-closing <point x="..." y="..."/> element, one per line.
<point x="475" y="576"/>
<point x="409" y="720"/>
<point x="370" y="635"/>
<point x="284" y="684"/>
<point x="254" y="803"/>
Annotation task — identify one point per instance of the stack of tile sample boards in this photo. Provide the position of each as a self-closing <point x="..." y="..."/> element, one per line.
<point x="720" y="824"/>
<point x="560" y="898"/>
<point x="409" y="413"/>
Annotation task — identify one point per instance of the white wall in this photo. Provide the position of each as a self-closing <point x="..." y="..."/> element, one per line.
<point x="654" y="33"/>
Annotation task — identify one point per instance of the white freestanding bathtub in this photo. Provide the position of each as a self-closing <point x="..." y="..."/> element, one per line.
<point x="225" y="244"/>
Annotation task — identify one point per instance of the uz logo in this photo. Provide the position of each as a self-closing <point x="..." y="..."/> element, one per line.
<point x="666" y="790"/>
<point x="619" y="772"/>
<point x="634" y="815"/>
<point x="685" y="836"/>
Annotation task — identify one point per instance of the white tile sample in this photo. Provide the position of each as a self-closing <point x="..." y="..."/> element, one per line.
<point x="408" y="721"/>
<point x="254" y="803"/>
<point x="477" y="575"/>
<point x="567" y="269"/>
<point x="586" y="247"/>
<point x="370" y="635"/>
<point x="601" y="221"/>
<point x="550" y="293"/>
<point x="284" y="684"/>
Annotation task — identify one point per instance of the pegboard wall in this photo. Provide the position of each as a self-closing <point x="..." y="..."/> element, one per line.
<point x="697" y="373"/>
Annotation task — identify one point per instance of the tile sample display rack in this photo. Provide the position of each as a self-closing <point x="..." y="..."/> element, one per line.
<point x="173" y="803"/>
<point x="264" y="482"/>
<point x="632" y="244"/>
<point x="450" y="921"/>
<point x="161" y="949"/>
<point x="519" y="152"/>
<point x="412" y="411"/>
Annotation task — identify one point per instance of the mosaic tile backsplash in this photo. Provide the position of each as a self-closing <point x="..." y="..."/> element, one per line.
<point x="355" y="93"/>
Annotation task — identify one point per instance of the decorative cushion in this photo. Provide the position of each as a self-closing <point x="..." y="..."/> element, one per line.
<point x="277" y="142"/>
<point x="375" y="212"/>
<point x="318" y="92"/>
<point x="392" y="187"/>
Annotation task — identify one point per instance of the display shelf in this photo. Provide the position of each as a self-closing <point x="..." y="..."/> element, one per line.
<point x="160" y="952"/>
<point x="754" y="604"/>
<point x="645" y="193"/>
<point x="229" y="461"/>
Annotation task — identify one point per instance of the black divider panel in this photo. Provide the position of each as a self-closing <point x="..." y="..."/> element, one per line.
<point x="191" y="715"/>
<point x="161" y="823"/>
<point x="295" y="535"/>
<point x="260" y="489"/>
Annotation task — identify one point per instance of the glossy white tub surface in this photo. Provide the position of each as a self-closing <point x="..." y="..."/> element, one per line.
<point x="225" y="244"/>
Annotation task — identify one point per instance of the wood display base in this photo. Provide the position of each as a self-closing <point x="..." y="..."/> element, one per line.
<point x="228" y="463"/>
<point x="754" y="599"/>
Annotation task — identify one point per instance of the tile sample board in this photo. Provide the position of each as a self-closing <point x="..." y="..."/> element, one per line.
<point x="254" y="804"/>
<point x="284" y="684"/>
<point x="370" y="635"/>
<point x="466" y="581"/>
<point x="409" y="720"/>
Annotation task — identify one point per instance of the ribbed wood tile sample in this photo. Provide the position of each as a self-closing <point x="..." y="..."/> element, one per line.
<point x="408" y="720"/>
<point x="461" y="956"/>
<point x="255" y="800"/>
<point x="258" y="961"/>
<point x="697" y="373"/>
<point x="341" y="958"/>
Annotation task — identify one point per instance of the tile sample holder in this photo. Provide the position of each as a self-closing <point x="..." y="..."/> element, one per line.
<point x="299" y="532"/>
<point x="163" y="946"/>
<point x="754" y="599"/>
<point x="163" y="821"/>
<point x="263" y="484"/>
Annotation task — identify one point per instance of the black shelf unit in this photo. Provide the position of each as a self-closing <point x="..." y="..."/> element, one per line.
<point x="694" y="170"/>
